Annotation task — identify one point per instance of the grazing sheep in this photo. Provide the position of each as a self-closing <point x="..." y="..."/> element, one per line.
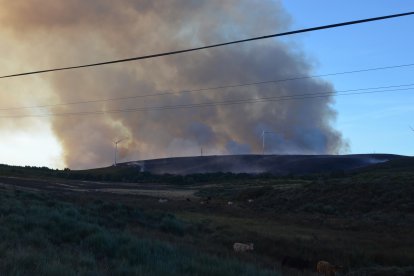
<point x="250" y="200"/>
<point x="162" y="200"/>
<point x="296" y="262"/>
<point x="242" y="247"/>
<point x="326" y="268"/>
<point x="230" y="203"/>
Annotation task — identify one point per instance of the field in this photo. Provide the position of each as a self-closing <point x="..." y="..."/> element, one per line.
<point x="112" y="222"/>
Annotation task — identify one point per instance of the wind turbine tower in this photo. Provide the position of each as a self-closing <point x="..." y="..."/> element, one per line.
<point x="264" y="139"/>
<point x="116" y="149"/>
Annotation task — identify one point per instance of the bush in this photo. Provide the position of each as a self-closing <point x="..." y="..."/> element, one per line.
<point x="41" y="238"/>
<point x="172" y="225"/>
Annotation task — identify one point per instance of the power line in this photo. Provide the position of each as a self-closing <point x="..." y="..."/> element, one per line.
<point x="214" y="88"/>
<point x="212" y="45"/>
<point x="212" y="104"/>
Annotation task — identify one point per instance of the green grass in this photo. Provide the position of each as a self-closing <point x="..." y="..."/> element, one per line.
<point x="276" y="239"/>
<point x="124" y="174"/>
<point x="363" y="220"/>
<point x="43" y="236"/>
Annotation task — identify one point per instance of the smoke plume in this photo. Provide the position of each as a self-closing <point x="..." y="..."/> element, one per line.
<point x="64" y="33"/>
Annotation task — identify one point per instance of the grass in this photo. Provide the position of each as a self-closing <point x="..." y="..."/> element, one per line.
<point x="43" y="236"/>
<point x="123" y="174"/>
<point x="276" y="239"/>
<point x="363" y="220"/>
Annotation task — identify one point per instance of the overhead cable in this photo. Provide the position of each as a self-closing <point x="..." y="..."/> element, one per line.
<point x="211" y="88"/>
<point x="210" y="46"/>
<point x="212" y="104"/>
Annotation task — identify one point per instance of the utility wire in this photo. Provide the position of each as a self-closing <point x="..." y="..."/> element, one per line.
<point x="212" y="45"/>
<point x="211" y="104"/>
<point x="213" y="88"/>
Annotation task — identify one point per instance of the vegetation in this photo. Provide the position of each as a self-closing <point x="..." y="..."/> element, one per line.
<point x="123" y="174"/>
<point x="43" y="236"/>
<point x="362" y="220"/>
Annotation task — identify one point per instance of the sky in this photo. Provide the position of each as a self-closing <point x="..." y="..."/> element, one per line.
<point x="373" y="122"/>
<point x="345" y="124"/>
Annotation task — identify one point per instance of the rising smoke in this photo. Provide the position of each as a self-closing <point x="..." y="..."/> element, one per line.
<point x="63" y="33"/>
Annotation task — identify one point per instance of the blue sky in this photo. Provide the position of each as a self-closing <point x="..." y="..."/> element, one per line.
<point x="372" y="122"/>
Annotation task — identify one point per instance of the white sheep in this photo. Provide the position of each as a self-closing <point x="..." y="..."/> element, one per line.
<point x="230" y="203"/>
<point x="242" y="247"/>
<point x="162" y="200"/>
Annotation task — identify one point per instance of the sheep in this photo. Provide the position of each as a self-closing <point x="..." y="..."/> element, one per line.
<point x="242" y="247"/>
<point x="250" y="200"/>
<point x="230" y="203"/>
<point x="326" y="268"/>
<point x="162" y="200"/>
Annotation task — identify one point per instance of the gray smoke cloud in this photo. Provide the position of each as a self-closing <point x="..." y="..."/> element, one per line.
<point x="63" y="33"/>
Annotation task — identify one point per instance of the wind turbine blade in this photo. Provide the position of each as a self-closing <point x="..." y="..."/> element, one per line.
<point x="119" y="140"/>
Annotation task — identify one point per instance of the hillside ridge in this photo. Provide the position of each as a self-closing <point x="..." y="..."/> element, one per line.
<point x="252" y="164"/>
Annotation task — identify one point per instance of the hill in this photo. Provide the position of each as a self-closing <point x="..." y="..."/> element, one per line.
<point x="254" y="164"/>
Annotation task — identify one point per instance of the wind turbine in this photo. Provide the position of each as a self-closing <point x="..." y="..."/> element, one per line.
<point x="263" y="137"/>
<point x="201" y="147"/>
<point x="116" y="142"/>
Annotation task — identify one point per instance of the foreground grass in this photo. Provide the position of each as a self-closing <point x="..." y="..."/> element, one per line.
<point x="43" y="236"/>
<point x="276" y="239"/>
<point x="362" y="220"/>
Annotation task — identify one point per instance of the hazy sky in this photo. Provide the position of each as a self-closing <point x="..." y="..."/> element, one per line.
<point x="43" y="36"/>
